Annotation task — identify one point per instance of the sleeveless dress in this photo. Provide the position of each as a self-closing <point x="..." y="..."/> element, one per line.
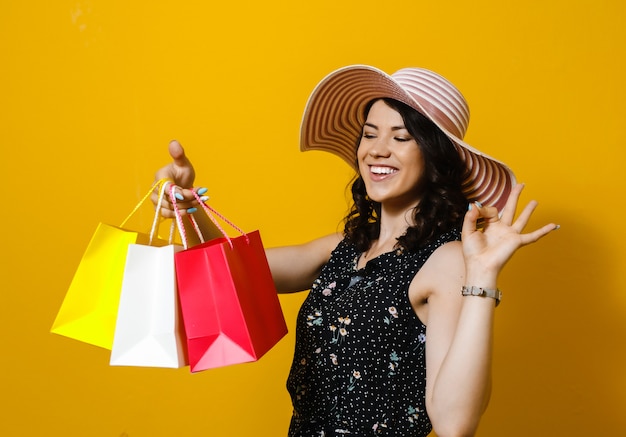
<point x="359" y="365"/>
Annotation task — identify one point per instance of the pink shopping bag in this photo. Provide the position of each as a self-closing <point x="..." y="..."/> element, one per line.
<point x="229" y="302"/>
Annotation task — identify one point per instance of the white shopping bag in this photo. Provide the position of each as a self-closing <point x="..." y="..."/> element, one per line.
<point x="149" y="331"/>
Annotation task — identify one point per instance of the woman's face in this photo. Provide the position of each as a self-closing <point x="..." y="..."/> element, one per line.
<point x="390" y="161"/>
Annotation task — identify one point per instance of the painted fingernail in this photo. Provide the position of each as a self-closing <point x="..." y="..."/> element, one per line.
<point x="201" y="191"/>
<point x="204" y="198"/>
<point x="480" y="205"/>
<point x="557" y="227"/>
<point x="179" y="196"/>
<point x="191" y="210"/>
<point x="469" y="207"/>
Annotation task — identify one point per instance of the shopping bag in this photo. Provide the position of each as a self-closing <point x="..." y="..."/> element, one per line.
<point x="230" y="306"/>
<point x="89" y="309"/>
<point x="149" y="330"/>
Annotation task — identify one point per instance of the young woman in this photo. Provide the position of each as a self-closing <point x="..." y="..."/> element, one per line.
<point x="395" y="336"/>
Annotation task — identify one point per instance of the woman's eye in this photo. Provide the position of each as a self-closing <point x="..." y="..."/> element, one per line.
<point x="403" y="139"/>
<point x="368" y="136"/>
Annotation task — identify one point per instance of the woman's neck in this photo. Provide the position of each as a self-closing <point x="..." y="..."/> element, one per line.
<point x="395" y="221"/>
<point x="392" y="227"/>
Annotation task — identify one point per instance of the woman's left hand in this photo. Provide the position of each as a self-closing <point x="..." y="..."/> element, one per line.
<point x="490" y="241"/>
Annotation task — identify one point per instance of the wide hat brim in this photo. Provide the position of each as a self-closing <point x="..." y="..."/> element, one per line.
<point x="334" y="116"/>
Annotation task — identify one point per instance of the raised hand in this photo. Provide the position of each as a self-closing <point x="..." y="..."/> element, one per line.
<point x="181" y="173"/>
<point x="490" y="241"/>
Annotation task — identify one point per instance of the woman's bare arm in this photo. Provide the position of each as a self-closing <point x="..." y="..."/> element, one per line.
<point x="460" y="329"/>
<point x="294" y="268"/>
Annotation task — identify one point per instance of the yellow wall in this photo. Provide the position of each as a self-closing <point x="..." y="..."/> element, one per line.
<point x="92" y="91"/>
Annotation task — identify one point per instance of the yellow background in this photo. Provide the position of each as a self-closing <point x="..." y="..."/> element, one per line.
<point x="92" y="92"/>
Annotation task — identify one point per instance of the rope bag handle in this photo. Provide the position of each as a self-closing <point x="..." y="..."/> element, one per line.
<point x="210" y="212"/>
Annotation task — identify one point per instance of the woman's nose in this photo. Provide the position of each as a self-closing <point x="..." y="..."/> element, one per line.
<point x="380" y="148"/>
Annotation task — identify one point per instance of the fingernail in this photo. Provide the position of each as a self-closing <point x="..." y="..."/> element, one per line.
<point x="204" y="198"/>
<point x="557" y="227"/>
<point x="179" y="196"/>
<point x="469" y="207"/>
<point x="201" y="191"/>
<point x="480" y="205"/>
<point x="191" y="210"/>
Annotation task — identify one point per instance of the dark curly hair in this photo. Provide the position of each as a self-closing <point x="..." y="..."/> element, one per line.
<point x="442" y="204"/>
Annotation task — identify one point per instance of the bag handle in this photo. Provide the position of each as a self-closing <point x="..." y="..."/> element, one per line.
<point x="177" y="217"/>
<point x="178" y="221"/>
<point x="156" y="184"/>
<point x="157" y="214"/>
<point x="162" y="184"/>
<point x="210" y="212"/>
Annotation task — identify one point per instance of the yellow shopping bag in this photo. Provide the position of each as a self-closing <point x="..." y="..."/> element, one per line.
<point x="89" y="311"/>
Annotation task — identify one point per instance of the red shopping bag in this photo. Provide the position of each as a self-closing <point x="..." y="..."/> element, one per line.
<point x="229" y="303"/>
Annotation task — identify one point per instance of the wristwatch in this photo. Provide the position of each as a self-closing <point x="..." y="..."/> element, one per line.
<point x="472" y="290"/>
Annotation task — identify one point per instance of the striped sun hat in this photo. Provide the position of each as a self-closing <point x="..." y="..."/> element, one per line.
<point x="334" y="116"/>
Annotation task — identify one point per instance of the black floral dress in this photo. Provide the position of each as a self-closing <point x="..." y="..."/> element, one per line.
<point x="359" y="365"/>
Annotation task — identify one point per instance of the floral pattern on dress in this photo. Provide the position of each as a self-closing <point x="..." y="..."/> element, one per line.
<point x="359" y="365"/>
<point x="393" y="314"/>
<point x="394" y="363"/>
<point x="340" y="331"/>
<point x="420" y="347"/>
<point x="315" y="318"/>
<point x="328" y="291"/>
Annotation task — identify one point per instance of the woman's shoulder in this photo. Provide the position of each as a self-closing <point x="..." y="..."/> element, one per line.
<point x="426" y="250"/>
<point x="453" y="234"/>
<point x="446" y="261"/>
<point x="448" y="251"/>
<point x="441" y="275"/>
<point x="330" y="242"/>
<point x="322" y="247"/>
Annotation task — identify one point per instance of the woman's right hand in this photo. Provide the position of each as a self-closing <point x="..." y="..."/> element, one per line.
<point x="181" y="173"/>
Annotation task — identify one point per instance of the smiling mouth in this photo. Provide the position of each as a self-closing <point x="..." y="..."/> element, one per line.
<point x="382" y="171"/>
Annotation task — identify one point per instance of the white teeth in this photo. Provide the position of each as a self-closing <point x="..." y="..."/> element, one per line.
<point x="382" y="170"/>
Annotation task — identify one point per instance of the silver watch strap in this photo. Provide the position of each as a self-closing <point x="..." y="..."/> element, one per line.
<point x="472" y="290"/>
